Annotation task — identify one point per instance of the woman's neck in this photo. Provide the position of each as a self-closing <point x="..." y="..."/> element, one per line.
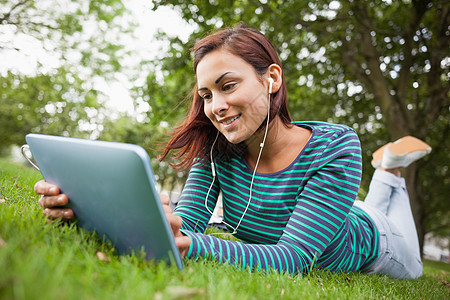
<point x="282" y="146"/>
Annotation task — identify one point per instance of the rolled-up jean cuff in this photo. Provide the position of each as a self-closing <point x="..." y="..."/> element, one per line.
<point x="389" y="178"/>
<point x="395" y="258"/>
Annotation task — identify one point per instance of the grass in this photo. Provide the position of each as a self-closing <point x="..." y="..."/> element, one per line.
<point x="60" y="261"/>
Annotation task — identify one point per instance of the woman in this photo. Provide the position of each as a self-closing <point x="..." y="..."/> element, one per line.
<point x="288" y="188"/>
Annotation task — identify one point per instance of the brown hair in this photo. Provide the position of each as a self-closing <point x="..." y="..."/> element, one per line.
<point x="195" y="136"/>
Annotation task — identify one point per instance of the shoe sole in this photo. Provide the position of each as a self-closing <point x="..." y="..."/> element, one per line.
<point x="405" y="145"/>
<point x="408" y="144"/>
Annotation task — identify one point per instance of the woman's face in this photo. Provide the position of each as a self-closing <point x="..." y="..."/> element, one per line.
<point x="235" y="99"/>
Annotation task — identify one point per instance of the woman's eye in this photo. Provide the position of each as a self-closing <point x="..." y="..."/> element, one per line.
<point x="228" y="86"/>
<point x="206" y="97"/>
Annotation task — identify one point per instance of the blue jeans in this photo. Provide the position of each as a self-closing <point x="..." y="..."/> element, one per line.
<point x="387" y="203"/>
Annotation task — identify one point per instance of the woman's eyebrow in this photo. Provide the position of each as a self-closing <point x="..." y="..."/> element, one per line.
<point x="220" y="77"/>
<point x="217" y="80"/>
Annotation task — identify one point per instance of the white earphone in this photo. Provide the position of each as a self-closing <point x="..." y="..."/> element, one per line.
<point x="270" y="84"/>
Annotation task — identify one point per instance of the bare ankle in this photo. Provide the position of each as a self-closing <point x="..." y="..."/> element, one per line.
<point x="395" y="171"/>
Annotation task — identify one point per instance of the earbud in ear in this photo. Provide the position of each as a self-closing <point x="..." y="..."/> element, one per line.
<point x="270" y="84"/>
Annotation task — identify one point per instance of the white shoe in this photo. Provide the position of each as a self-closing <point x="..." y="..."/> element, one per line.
<point x="403" y="152"/>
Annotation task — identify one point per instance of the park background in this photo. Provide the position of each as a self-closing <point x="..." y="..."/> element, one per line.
<point x="121" y="70"/>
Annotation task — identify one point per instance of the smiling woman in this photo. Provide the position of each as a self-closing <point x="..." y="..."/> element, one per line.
<point x="227" y="85"/>
<point x="288" y="188"/>
<point x="251" y="55"/>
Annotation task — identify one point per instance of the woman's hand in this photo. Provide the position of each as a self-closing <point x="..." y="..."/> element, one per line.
<point x="51" y="200"/>
<point x="183" y="242"/>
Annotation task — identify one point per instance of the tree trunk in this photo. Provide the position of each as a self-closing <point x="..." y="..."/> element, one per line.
<point x="410" y="175"/>
<point x="396" y="124"/>
<point x="397" y="118"/>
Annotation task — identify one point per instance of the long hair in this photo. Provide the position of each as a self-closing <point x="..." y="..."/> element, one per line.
<point x="195" y="136"/>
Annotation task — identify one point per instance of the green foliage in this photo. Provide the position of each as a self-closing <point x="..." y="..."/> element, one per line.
<point x="65" y="30"/>
<point x="55" y="261"/>
<point x="53" y="104"/>
<point x="86" y="40"/>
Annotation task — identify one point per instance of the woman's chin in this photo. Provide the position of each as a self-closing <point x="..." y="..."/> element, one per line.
<point x="234" y="137"/>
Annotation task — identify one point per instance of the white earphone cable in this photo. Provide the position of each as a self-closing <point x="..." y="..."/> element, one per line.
<point x="253" y="176"/>
<point x="213" y="171"/>
<point x="256" y="166"/>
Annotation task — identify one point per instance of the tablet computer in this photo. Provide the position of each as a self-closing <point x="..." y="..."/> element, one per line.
<point x="111" y="189"/>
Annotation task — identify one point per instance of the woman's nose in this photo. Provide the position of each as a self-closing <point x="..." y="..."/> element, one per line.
<point x="219" y="105"/>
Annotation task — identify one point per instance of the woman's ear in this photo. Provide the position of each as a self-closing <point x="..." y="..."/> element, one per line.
<point x="275" y="72"/>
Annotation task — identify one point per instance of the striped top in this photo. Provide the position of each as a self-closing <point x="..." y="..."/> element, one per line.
<point x="298" y="217"/>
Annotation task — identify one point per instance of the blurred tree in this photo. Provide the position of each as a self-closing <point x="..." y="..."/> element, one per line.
<point x="54" y="104"/>
<point x="382" y="67"/>
<point x="87" y="33"/>
<point x="83" y="40"/>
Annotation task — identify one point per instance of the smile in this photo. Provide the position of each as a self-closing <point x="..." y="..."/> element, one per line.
<point x="228" y="122"/>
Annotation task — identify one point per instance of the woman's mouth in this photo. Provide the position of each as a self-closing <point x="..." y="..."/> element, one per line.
<point x="228" y="123"/>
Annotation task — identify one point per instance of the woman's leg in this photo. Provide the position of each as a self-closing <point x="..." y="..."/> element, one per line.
<point x="388" y="204"/>
<point x="387" y="193"/>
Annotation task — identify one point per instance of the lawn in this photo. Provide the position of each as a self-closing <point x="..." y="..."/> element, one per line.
<point x="44" y="260"/>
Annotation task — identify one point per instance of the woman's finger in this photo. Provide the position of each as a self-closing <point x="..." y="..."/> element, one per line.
<point x="175" y="223"/>
<point x="167" y="209"/>
<point x="44" y="188"/>
<point x="164" y="198"/>
<point x="58" y="213"/>
<point x="52" y="201"/>
<point x="183" y="243"/>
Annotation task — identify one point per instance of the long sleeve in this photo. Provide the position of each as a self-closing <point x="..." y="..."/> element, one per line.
<point x="299" y="216"/>
<point x="192" y="204"/>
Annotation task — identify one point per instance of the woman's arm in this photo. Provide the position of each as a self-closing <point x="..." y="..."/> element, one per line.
<point x="316" y="222"/>
<point x="191" y="206"/>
